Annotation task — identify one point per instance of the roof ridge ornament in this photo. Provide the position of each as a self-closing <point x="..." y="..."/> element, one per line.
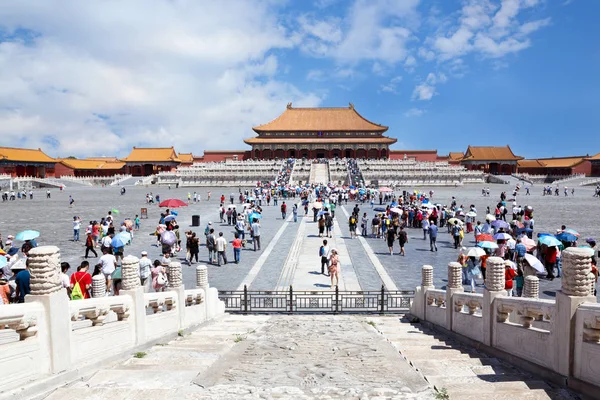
<point x="351" y="106"/>
<point x="289" y="106"/>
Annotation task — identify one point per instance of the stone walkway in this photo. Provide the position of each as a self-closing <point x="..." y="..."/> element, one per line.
<point x="309" y="357"/>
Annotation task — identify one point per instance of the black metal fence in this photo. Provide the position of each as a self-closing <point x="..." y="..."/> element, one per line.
<point x="308" y="301"/>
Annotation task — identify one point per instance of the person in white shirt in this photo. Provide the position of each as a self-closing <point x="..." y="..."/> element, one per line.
<point x="106" y="242"/>
<point x="65" y="281"/>
<point x="221" y="247"/>
<point x="76" y="228"/>
<point x="109" y="264"/>
<point x="256" y="234"/>
<point x="145" y="266"/>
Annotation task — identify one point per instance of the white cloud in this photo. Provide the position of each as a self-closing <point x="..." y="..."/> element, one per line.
<point x="532" y="26"/>
<point x="488" y="28"/>
<point x="104" y="76"/>
<point x="414" y="112"/>
<point x="425" y="54"/>
<point x="424" y="92"/>
<point x="392" y="85"/>
<point x="315" y="75"/>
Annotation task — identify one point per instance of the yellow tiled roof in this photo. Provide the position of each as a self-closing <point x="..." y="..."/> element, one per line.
<point x="483" y="153"/>
<point x="25" y="155"/>
<point x="152" y="154"/>
<point x="594" y="158"/>
<point x="554" y="162"/>
<point x="91" y="164"/>
<point x="344" y="119"/>
<point x="316" y="141"/>
<point x="186" y="157"/>
<point x="455" y="156"/>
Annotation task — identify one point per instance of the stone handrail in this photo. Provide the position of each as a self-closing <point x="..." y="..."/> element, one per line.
<point x="23" y="318"/>
<point x="436" y="297"/>
<point x="96" y="309"/>
<point x="159" y="300"/>
<point x="194" y="297"/>
<point x="472" y="301"/>
<point x="527" y="309"/>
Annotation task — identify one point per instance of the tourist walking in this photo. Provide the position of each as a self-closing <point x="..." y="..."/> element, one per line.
<point x="472" y="271"/>
<point x="334" y="267"/>
<point x="283" y="210"/>
<point x="433" y="232"/>
<point x="402" y="239"/>
<point x="22" y="281"/>
<point x="391" y="238"/>
<point x="89" y="244"/>
<point x="237" y="248"/>
<point x="295" y="212"/>
<point x="321" y="225"/>
<point x="145" y="271"/>
<point x="76" y="228"/>
<point x="221" y="249"/>
<point x="456" y="229"/>
<point x="256" y="234"/>
<point x="352" y="225"/>
<point x="425" y="225"/>
<point x="194" y="248"/>
<point x="64" y="277"/>
<point x="159" y="276"/>
<point x="324" y="254"/>
<point x="109" y="263"/>
<point x="211" y="245"/>
<point x="81" y="282"/>
<point x="329" y="225"/>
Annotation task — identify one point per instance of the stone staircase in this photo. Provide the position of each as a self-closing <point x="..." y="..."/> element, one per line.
<point x="309" y="357"/>
<point x="319" y="173"/>
<point x="460" y="371"/>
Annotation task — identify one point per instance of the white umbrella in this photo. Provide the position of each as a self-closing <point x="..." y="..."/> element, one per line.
<point x="534" y="262"/>
<point x="490" y="217"/>
<point x="502" y="236"/>
<point x="475" y="252"/>
<point x="471" y="214"/>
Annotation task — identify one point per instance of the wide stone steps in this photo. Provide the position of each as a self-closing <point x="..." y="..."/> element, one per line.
<point x="460" y="371"/>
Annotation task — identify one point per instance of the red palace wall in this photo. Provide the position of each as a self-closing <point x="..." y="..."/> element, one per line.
<point x="63" y="170"/>
<point x="419" y="155"/>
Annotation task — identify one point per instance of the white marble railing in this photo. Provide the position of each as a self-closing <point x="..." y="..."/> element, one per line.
<point x="562" y="335"/>
<point x="49" y="334"/>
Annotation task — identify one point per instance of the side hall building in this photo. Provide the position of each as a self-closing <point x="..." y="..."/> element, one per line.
<point x="320" y="133"/>
<point x="26" y="162"/>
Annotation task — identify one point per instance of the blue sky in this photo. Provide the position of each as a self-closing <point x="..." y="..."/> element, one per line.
<point x="98" y="77"/>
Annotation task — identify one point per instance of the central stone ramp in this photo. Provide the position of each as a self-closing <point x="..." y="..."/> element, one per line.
<point x="319" y="173"/>
<point x="256" y="357"/>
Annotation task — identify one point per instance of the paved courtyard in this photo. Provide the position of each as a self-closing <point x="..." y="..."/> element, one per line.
<point x="289" y="253"/>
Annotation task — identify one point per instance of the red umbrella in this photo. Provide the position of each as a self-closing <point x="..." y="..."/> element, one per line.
<point x="172" y="203"/>
<point x="484" y="237"/>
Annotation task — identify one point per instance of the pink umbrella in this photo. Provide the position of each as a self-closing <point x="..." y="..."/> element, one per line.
<point x="385" y="189"/>
<point x="529" y="243"/>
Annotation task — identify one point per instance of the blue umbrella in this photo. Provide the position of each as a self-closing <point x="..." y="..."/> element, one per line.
<point x="487" y="245"/>
<point x="380" y="209"/>
<point x="549" y="241"/>
<point x="524" y="230"/>
<point x="174" y="213"/>
<point x="255" y="216"/>
<point x="27" y="235"/>
<point x="572" y="231"/>
<point x="169" y="218"/>
<point x="125" y="237"/>
<point x="566" y="237"/>
<point x="117" y="241"/>
<point x="3" y="261"/>
<point x="543" y="234"/>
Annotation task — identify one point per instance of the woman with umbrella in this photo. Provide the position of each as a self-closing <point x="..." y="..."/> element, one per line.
<point x="473" y="270"/>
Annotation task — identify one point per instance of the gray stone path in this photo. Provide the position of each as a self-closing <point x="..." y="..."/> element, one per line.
<point x="261" y="357"/>
<point x="53" y="218"/>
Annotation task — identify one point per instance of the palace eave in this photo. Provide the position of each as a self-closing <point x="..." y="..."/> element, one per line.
<point x="316" y="141"/>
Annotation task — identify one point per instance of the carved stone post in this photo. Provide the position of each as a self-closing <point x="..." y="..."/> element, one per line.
<point x="454" y="286"/>
<point x="98" y="286"/>
<point x="531" y="287"/>
<point x="576" y="266"/>
<point x="201" y="277"/>
<point x="130" y="273"/>
<point x="176" y="285"/>
<point x="44" y="267"/>
<point x="494" y="287"/>
<point x="419" y="305"/>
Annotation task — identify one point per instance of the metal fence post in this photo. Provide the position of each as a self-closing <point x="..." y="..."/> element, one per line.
<point x="381" y="305"/>
<point x="337" y="299"/>
<point x="245" y="299"/>
<point x="291" y="299"/>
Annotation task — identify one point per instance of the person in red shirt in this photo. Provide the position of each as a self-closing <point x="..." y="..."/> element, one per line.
<point x="83" y="278"/>
<point x="237" y="248"/>
<point x="509" y="275"/>
<point x="551" y="256"/>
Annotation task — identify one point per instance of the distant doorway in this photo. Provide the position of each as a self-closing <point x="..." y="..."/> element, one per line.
<point x="292" y="154"/>
<point x="320" y="155"/>
<point x="348" y="153"/>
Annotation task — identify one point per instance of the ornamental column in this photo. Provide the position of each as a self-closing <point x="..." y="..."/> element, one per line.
<point x="576" y="266"/>
<point x="454" y="286"/>
<point x="131" y="286"/>
<point x="494" y="287"/>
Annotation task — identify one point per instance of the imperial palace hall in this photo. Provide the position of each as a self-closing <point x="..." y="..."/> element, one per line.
<point x="320" y="133"/>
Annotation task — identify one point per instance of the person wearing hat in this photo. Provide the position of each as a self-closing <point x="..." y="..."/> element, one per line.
<point x="9" y="241"/>
<point x="145" y="271"/>
<point x="12" y="255"/>
<point x="22" y="280"/>
<point x="89" y="244"/>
